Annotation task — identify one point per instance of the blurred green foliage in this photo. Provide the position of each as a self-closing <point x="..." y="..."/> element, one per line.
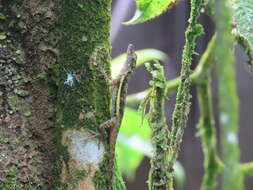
<point x="149" y="9"/>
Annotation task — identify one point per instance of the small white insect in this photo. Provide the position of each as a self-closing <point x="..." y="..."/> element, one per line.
<point x="70" y="79"/>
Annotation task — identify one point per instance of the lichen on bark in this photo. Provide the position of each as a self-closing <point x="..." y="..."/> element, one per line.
<point x="53" y="51"/>
<point x="26" y="109"/>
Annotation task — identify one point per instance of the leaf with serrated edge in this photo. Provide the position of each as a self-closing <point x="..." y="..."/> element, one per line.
<point x="148" y="9"/>
<point x="243" y="18"/>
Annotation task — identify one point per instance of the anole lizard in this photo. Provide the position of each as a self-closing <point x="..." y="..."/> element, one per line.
<point x="119" y="93"/>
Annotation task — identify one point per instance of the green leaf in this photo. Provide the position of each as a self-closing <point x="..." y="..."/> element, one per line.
<point x="143" y="56"/>
<point x="243" y="18"/>
<point x="132" y="124"/>
<point x="127" y="153"/>
<point x="132" y="142"/>
<point x="148" y="9"/>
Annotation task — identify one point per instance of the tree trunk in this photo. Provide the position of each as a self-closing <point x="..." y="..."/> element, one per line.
<point x="53" y="94"/>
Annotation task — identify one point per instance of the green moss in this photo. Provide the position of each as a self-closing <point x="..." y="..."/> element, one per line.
<point x="10" y="182"/>
<point x="75" y="60"/>
<point x="181" y="111"/>
<point x="160" y="174"/>
<point x="78" y="175"/>
<point x="17" y="104"/>
<point x="6" y="19"/>
<point x="84" y="30"/>
<point x="61" y="156"/>
<point x="100" y="179"/>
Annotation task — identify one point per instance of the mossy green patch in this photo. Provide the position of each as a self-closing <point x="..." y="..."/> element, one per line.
<point x="84" y="30"/>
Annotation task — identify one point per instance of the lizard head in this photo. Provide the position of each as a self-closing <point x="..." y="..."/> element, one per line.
<point x="131" y="57"/>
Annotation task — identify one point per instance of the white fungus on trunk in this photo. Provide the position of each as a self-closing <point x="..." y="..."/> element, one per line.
<point x="84" y="148"/>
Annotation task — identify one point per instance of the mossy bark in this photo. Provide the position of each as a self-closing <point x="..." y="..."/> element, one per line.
<point x="83" y="96"/>
<point x="52" y="94"/>
<point x="26" y="101"/>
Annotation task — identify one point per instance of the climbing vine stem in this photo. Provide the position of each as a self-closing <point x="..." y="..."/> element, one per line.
<point x="228" y="99"/>
<point x="182" y="106"/>
<point x="212" y="163"/>
<point x="207" y="131"/>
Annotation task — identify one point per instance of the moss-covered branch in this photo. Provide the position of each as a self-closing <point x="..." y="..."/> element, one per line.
<point x="182" y="107"/>
<point x="202" y="69"/>
<point x="248" y="50"/>
<point x="158" y="175"/>
<point x="228" y="100"/>
<point x="207" y="132"/>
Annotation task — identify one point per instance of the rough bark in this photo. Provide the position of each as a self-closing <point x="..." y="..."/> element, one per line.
<point x="53" y="96"/>
<point x="27" y="109"/>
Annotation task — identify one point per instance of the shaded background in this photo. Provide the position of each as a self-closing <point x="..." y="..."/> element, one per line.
<point x="166" y="33"/>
